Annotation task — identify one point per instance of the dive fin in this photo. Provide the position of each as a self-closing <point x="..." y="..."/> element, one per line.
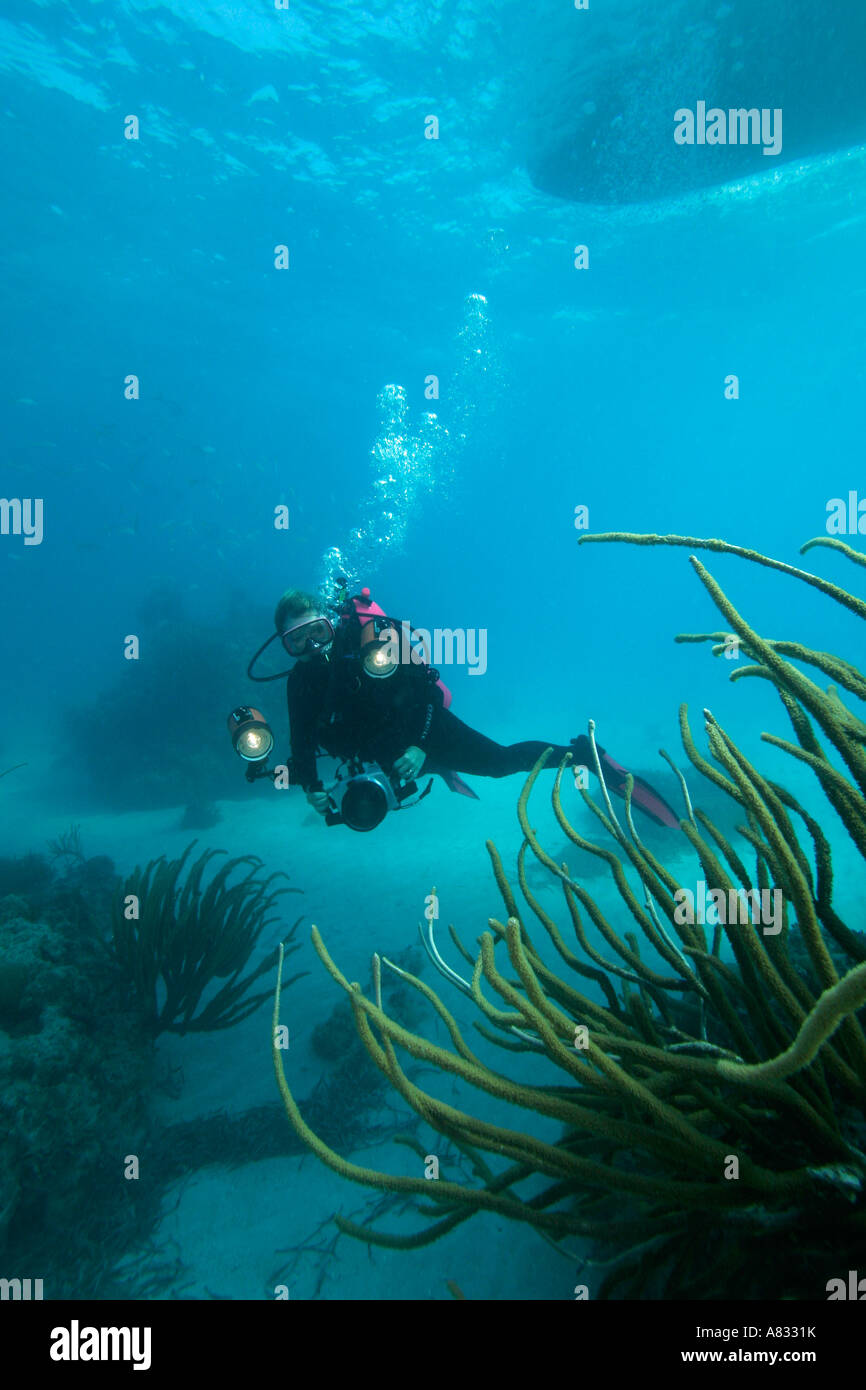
<point x="651" y="802"/>
<point x="455" y="783"/>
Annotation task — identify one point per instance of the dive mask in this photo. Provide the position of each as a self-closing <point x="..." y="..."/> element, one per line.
<point x="313" y="635"/>
<point x="303" y="639"/>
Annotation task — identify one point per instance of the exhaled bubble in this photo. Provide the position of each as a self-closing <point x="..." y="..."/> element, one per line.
<point x="407" y="463"/>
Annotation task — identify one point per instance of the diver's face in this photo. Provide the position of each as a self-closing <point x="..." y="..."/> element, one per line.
<point x="308" y="635"/>
<point x="307" y="617"/>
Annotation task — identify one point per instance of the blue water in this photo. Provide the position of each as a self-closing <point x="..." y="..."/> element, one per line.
<point x="258" y="387"/>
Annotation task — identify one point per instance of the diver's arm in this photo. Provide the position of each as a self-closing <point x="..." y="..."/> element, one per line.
<point x="419" y="727"/>
<point x="410" y="764"/>
<point x="318" y="799"/>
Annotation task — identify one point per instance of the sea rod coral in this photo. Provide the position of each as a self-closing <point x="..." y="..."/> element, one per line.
<point x="711" y="1103"/>
<point x="174" y="940"/>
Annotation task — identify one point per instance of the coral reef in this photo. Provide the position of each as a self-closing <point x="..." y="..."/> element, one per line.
<point x="81" y="894"/>
<point x="67" y="846"/>
<point x="73" y="1086"/>
<point x="19" y="873"/>
<point x="706" y="1079"/>
<point x="76" y="1078"/>
<point x="173" y="940"/>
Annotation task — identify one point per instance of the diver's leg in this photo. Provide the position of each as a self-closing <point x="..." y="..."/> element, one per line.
<point x="454" y="745"/>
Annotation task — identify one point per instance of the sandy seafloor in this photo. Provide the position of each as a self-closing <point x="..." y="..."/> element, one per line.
<point x="232" y="1229"/>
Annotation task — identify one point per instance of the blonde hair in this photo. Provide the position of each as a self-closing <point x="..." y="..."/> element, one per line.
<point x="293" y="604"/>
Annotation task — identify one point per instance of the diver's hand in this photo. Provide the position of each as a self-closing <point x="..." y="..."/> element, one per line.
<point x="410" y="764"/>
<point x="318" y="800"/>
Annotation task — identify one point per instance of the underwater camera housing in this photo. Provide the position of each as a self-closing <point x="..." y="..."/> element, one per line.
<point x="363" y="799"/>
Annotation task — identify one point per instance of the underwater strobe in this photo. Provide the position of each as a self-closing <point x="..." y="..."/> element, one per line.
<point x="252" y="739"/>
<point x="380" y="648"/>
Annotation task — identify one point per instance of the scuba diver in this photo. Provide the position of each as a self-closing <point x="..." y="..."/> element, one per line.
<point x="361" y="691"/>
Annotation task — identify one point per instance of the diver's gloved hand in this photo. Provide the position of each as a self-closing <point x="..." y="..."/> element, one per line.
<point x="643" y="795"/>
<point x="410" y="764"/>
<point x="318" y="799"/>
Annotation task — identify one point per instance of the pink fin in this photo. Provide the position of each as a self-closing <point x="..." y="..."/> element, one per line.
<point x="455" y="783"/>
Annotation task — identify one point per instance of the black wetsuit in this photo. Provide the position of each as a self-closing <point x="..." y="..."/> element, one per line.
<point x="332" y="706"/>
